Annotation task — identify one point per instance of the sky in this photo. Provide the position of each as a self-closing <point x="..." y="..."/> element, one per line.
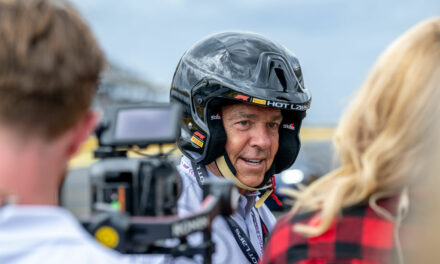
<point x="336" y="41"/>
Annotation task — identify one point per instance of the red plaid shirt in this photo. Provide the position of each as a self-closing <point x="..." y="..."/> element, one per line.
<point x="359" y="236"/>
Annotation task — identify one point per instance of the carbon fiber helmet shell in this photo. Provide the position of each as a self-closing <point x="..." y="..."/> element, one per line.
<point x="237" y="67"/>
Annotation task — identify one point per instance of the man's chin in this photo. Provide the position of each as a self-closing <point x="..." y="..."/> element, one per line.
<point x="251" y="180"/>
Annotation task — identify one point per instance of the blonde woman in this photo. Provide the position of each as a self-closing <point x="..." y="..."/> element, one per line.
<point x="356" y="213"/>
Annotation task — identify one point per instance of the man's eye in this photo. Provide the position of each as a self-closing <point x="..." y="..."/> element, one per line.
<point x="243" y="123"/>
<point x="273" y="125"/>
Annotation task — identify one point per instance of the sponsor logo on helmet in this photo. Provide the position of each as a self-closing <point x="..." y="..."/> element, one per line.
<point x="216" y="117"/>
<point x="298" y="107"/>
<point x="199" y="135"/>
<point x="259" y="101"/>
<point x="278" y="104"/>
<point x="242" y="97"/>
<point x="197" y="141"/>
<point x="289" y="126"/>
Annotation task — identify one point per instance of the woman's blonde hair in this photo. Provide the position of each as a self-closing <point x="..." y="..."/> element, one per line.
<point x="383" y="137"/>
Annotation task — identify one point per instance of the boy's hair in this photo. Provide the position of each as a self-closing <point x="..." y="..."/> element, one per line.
<point x="49" y="66"/>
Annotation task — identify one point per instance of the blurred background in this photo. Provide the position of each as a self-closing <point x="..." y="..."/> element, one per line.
<point x="336" y="41"/>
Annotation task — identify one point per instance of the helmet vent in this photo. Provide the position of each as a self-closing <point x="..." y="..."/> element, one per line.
<point x="280" y="74"/>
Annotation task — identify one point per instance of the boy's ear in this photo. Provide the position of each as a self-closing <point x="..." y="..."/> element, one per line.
<point x="82" y="130"/>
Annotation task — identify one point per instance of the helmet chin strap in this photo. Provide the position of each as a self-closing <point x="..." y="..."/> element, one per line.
<point x="225" y="170"/>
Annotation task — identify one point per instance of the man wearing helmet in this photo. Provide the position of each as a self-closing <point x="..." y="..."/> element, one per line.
<point x="243" y="102"/>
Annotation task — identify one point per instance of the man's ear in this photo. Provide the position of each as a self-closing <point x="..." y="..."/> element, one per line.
<point x="82" y="130"/>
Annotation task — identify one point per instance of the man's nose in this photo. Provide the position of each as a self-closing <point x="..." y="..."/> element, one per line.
<point x="260" y="137"/>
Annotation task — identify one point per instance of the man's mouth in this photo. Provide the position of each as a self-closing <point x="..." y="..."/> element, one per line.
<point x="253" y="162"/>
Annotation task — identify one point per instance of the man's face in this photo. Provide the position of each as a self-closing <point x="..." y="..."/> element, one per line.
<point x="252" y="139"/>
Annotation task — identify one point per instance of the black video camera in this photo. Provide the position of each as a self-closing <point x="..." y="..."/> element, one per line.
<point x="134" y="199"/>
<point x="148" y="186"/>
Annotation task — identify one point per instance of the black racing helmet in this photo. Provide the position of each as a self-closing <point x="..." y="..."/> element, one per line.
<point x="237" y="67"/>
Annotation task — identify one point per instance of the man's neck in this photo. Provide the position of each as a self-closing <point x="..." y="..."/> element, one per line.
<point x="213" y="168"/>
<point x="28" y="170"/>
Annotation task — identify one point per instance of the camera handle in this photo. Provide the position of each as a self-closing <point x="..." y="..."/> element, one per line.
<point x="138" y="234"/>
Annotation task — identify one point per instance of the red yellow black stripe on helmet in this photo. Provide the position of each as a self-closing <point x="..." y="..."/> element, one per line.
<point x="198" y="139"/>
<point x="268" y="103"/>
